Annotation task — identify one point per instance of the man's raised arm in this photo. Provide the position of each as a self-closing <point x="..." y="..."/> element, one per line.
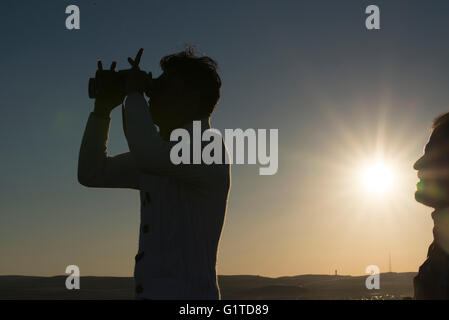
<point x="152" y="153"/>
<point x="95" y="167"/>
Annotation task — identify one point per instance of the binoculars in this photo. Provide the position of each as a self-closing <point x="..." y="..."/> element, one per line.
<point x="108" y="82"/>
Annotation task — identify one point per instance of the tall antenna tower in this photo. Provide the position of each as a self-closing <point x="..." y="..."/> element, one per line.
<point x="389" y="262"/>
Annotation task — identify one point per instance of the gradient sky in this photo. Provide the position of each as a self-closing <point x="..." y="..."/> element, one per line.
<point x="337" y="93"/>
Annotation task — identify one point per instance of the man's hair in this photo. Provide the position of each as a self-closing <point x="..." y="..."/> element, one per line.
<point x="441" y="120"/>
<point x="198" y="73"/>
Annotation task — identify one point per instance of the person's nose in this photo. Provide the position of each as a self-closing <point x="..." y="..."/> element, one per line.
<point x="419" y="163"/>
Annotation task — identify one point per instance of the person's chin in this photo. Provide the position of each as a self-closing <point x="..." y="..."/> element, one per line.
<point x="429" y="201"/>
<point x="425" y="200"/>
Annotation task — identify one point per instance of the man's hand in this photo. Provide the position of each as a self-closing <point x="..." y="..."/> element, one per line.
<point x="136" y="80"/>
<point x="120" y="84"/>
<point x="106" y="102"/>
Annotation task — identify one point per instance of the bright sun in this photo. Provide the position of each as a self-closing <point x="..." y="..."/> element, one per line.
<point x="378" y="177"/>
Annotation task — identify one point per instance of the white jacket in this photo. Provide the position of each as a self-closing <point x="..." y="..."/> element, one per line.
<point x="183" y="206"/>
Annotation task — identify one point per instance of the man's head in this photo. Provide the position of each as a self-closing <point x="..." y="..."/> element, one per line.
<point x="433" y="167"/>
<point x="187" y="90"/>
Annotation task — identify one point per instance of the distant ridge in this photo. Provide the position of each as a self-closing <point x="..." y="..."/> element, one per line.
<point x="307" y="286"/>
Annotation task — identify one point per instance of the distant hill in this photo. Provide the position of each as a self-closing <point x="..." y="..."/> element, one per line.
<point x="392" y="286"/>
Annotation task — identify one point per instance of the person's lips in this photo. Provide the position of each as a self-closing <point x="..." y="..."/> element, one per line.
<point x="420" y="185"/>
<point x="420" y="174"/>
<point x="425" y="187"/>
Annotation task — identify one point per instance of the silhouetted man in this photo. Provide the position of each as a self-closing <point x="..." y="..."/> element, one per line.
<point x="182" y="206"/>
<point x="432" y="281"/>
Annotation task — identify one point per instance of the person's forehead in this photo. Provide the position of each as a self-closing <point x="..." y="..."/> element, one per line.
<point x="431" y="143"/>
<point x="439" y="138"/>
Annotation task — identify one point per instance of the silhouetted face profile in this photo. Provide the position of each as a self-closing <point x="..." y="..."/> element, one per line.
<point x="433" y="167"/>
<point x="187" y="90"/>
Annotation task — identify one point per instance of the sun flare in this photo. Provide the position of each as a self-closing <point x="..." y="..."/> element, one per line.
<point x="378" y="177"/>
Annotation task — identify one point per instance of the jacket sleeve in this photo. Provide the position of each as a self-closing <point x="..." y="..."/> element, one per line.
<point x="150" y="151"/>
<point x="95" y="167"/>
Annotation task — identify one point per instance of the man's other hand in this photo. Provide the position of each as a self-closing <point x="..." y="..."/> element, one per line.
<point x="136" y="80"/>
<point x="110" y="99"/>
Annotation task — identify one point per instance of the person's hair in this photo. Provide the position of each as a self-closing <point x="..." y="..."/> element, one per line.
<point x="199" y="73"/>
<point x="441" y="120"/>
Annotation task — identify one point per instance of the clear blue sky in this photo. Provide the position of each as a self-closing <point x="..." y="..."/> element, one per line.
<point x="307" y="68"/>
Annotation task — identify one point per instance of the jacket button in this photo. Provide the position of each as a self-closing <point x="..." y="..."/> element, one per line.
<point x="139" y="289"/>
<point x="147" y="197"/>
<point x="145" y="228"/>
<point x="139" y="256"/>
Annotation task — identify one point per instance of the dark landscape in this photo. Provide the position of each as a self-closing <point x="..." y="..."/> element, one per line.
<point x="233" y="287"/>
